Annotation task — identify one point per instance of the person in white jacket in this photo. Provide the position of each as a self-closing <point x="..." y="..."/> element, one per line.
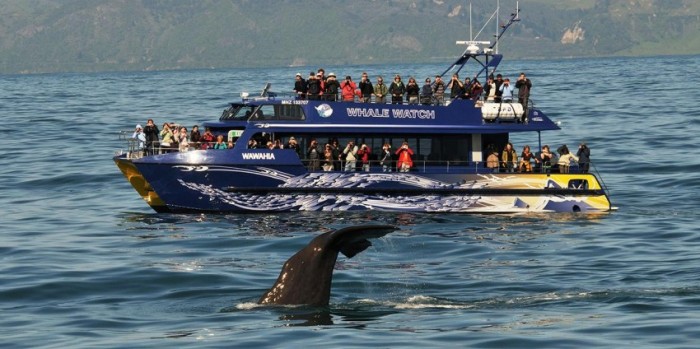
<point x="565" y="158"/>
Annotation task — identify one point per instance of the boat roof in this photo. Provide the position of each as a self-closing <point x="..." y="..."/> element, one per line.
<point x="460" y="116"/>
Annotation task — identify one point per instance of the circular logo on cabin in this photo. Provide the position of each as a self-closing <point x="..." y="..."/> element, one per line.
<point x="324" y="110"/>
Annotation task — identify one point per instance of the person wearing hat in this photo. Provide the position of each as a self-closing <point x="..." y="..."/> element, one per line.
<point x="139" y="137"/>
<point x="300" y="86"/>
<point x="347" y="89"/>
<point x="313" y="87"/>
<point x="331" y="88"/>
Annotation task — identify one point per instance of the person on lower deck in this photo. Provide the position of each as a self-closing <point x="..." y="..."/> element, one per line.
<point x="151" y="131"/>
<point x="182" y="139"/>
<point x="565" y="158"/>
<point x="543" y="160"/>
<point x="313" y="155"/>
<point x="350" y="154"/>
<point x="364" y="153"/>
<point x="327" y="158"/>
<point x="140" y="138"/>
<point x="526" y="157"/>
<point x="220" y="144"/>
<point x="385" y="161"/>
<point x="584" y="157"/>
<point x="405" y="162"/>
<point x="509" y="158"/>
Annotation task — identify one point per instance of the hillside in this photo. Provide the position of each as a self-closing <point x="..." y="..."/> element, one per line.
<point x="111" y="35"/>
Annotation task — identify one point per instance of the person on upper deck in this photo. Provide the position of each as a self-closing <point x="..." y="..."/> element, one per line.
<point x="584" y="157"/>
<point x="490" y="89"/>
<point x="321" y="75"/>
<point x="332" y="88"/>
<point x="151" y="132"/>
<point x="524" y="85"/>
<point x="467" y="89"/>
<point x="476" y="89"/>
<point x="397" y="89"/>
<point x="300" y="86"/>
<point x="314" y="90"/>
<point x="509" y="158"/>
<point x="456" y="87"/>
<point x="380" y="91"/>
<point x="366" y="88"/>
<point x="412" y="91"/>
<point x="498" y="82"/>
<point x="506" y="91"/>
<point x="426" y="93"/>
<point x="347" y="89"/>
<point x="439" y="90"/>
<point x="405" y="162"/>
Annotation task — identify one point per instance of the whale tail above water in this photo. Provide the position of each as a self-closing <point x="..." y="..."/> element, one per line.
<point x="306" y="277"/>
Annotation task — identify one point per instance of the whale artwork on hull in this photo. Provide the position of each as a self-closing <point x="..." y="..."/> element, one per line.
<point x="306" y="277"/>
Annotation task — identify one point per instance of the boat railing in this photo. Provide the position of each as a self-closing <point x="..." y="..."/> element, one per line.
<point x="431" y="166"/>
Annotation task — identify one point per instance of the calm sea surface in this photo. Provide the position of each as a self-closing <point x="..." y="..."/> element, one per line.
<point x="84" y="262"/>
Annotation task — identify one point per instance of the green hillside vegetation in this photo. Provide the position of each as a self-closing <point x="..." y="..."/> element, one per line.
<point x="111" y="35"/>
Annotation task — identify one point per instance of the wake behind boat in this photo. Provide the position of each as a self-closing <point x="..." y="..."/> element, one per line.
<point x="423" y="154"/>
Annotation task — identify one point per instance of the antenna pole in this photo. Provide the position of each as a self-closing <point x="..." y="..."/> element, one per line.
<point x="471" y="37"/>
<point x="498" y="8"/>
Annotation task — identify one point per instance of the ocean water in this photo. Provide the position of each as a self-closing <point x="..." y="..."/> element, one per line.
<point x="85" y="263"/>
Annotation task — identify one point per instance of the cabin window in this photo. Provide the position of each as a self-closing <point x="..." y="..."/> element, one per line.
<point x="278" y="112"/>
<point x="578" y="184"/>
<point x="438" y="150"/>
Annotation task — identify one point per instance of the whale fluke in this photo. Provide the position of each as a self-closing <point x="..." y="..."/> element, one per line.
<point x="306" y="277"/>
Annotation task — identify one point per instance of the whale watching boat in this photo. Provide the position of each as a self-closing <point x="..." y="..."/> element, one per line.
<point x="447" y="172"/>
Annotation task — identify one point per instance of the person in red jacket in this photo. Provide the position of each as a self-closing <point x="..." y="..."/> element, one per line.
<point x="405" y="161"/>
<point x="363" y="154"/>
<point x="347" y="89"/>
